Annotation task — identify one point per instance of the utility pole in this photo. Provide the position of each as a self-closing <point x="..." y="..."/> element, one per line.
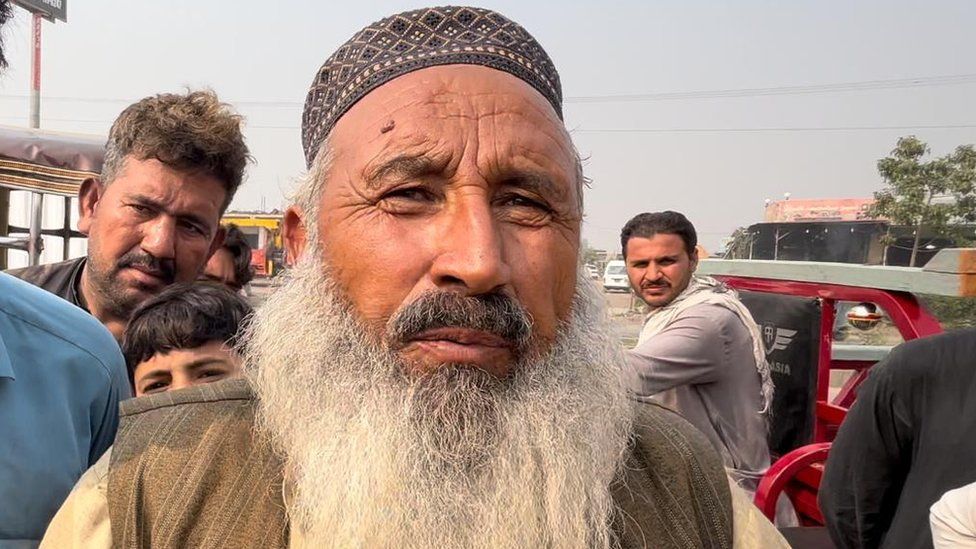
<point x="35" y="244"/>
<point x="52" y="10"/>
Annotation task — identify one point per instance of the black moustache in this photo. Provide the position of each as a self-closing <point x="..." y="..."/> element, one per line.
<point x="166" y="268"/>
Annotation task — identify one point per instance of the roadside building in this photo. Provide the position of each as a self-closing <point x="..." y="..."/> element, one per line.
<point x="262" y="230"/>
<point x="833" y="230"/>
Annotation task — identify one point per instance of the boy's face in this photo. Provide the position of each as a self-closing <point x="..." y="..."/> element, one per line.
<point x="183" y="368"/>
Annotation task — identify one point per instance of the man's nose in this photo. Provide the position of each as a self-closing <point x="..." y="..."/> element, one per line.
<point x="159" y="237"/>
<point x="471" y="251"/>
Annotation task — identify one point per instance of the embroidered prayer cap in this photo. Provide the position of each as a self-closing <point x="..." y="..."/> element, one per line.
<point x="415" y="40"/>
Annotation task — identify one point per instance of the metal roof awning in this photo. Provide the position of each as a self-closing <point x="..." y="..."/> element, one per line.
<point x="952" y="272"/>
<point x="48" y="162"/>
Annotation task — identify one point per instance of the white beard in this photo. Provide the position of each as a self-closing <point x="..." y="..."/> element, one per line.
<point x="377" y="459"/>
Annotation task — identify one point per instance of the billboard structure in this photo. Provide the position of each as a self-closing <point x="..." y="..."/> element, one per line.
<point x="52" y="10"/>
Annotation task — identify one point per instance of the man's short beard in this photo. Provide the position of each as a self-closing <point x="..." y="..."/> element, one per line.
<point x="115" y="298"/>
<point x="455" y="457"/>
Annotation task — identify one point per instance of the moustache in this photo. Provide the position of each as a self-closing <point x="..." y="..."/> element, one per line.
<point x="164" y="269"/>
<point x="496" y="314"/>
<point x="648" y="285"/>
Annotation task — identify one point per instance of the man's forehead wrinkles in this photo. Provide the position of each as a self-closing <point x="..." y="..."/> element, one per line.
<point x="533" y="162"/>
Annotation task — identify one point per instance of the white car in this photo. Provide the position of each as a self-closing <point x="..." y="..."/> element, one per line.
<point x="615" y="277"/>
<point x="592" y="272"/>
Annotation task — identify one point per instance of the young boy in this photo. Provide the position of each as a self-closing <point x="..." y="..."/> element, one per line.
<point x="184" y="336"/>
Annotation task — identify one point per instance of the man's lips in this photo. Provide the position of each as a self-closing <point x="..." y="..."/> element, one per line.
<point x="655" y="289"/>
<point x="439" y="346"/>
<point x="462" y="336"/>
<point x="147" y="275"/>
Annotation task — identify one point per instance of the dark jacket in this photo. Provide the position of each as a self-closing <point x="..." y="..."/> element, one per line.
<point x="61" y="279"/>
<point x="907" y="440"/>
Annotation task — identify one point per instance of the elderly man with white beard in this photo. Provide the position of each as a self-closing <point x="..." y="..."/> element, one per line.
<point x="435" y="371"/>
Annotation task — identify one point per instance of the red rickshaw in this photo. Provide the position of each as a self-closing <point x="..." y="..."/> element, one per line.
<point x="798" y="466"/>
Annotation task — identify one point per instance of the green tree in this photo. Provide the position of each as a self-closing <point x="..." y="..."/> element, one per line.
<point x="739" y="243"/>
<point x="931" y="194"/>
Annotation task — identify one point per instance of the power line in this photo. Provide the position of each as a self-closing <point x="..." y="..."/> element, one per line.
<point x="772" y="129"/>
<point x="809" y="89"/>
<point x="779" y="129"/>
<point x="899" y="83"/>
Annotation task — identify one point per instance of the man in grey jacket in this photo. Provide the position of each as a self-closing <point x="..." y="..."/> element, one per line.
<point x="699" y="352"/>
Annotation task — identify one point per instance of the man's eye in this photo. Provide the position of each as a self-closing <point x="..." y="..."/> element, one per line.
<point x="211" y="374"/>
<point x="410" y="193"/>
<point x="407" y="201"/>
<point x="140" y="209"/>
<point x="193" y="228"/>
<point x="155" y="387"/>
<point x="520" y="201"/>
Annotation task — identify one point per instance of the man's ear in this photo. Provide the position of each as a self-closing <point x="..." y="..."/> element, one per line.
<point x="294" y="233"/>
<point x="89" y="195"/>
<point x="693" y="256"/>
<point x="218" y="241"/>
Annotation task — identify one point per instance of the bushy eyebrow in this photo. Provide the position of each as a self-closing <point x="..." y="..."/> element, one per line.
<point x="536" y="183"/>
<point x="417" y="166"/>
<point x="674" y="257"/>
<point x="158" y="373"/>
<point x="144" y="200"/>
<point x="404" y="166"/>
<point x="206" y="361"/>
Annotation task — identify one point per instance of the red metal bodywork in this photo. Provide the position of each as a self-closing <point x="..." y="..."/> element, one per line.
<point x="798" y="472"/>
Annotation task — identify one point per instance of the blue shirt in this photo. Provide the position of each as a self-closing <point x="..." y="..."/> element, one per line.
<point x="61" y="379"/>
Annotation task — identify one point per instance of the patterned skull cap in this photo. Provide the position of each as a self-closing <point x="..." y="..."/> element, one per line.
<point x="416" y="40"/>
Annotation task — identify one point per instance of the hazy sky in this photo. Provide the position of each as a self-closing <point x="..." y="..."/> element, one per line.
<point x="715" y="158"/>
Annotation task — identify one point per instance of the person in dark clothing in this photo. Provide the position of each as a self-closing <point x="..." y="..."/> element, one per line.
<point x="231" y="264"/>
<point x="62" y="279"/>
<point x="905" y="442"/>
<point x="172" y="165"/>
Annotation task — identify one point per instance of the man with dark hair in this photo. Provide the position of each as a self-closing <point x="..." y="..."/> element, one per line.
<point x="231" y="264"/>
<point x="172" y="165"/>
<point x="435" y="371"/>
<point x="61" y="380"/>
<point x="700" y="351"/>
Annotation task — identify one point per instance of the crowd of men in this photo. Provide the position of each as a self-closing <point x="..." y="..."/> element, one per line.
<point x="435" y="369"/>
